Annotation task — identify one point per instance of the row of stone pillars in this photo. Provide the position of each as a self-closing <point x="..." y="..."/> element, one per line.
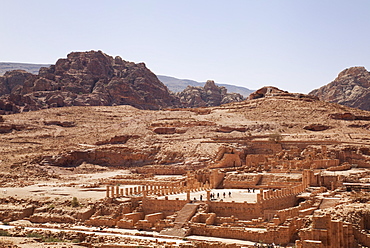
<point x="280" y="193"/>
<point x="159" y="190"/>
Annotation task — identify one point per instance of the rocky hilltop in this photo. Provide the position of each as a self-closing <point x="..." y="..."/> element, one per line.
<point x="97" y="79"/>
<point x="351" y="88"/>
<point x="84" y="79"/>
<point x="209" y="95"/>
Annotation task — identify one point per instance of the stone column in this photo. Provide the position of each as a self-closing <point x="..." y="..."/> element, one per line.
<point x="107" y="192"/>
<point x="117" y="191"/>
<point x="259" y="198"/>
<point x="112" y="191"/>
<point x="144" y="194"/>
<point x="188" y="195"/>
<point x="208" y="195"/>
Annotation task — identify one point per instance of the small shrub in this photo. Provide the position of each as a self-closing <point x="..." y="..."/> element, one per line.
<point x="51" y="240"/>
<point x="51" y="206"/>
<point x="34" y="235"/>
<point x="74" y="202"/>
<point x="4" y="233"/>
<point x="275" y="137"/>
<point x="5" y="223"/>
<point x="1" y="118"/>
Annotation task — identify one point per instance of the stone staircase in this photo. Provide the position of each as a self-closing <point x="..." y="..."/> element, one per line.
<point x="183" y="216"/>
<point x="329" y="202"/>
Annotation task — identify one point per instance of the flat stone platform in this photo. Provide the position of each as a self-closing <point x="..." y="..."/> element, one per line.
<point x="220" y="195"/>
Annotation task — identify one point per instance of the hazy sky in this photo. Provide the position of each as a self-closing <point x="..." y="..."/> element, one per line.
<point x="295" y="45"/>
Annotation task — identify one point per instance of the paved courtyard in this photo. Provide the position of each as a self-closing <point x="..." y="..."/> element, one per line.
<point x="226" y="195"/>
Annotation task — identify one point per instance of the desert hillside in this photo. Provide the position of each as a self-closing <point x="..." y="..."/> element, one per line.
<point x="124" y="136"/>
<point x="278" y="161"/>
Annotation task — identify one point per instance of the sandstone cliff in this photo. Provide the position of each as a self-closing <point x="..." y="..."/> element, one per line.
<point x="350" y="88"/>
<point x="84" y="79"/>
<point x="209" y="95"/>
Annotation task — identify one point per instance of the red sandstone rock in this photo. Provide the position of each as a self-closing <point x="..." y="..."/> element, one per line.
<point x="60" y="123"/>
<point x="84" y="79"/>
<point x="119" y="139"/>
<point x="165" y="130"/>
<point x="316" y="127"/>
<point x="209" y="95"/>
<point x="350" y="88"/>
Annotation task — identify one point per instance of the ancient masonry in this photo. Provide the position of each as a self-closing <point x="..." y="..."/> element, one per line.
<point x="276" y="215"/>
<point x="263" y="194"/>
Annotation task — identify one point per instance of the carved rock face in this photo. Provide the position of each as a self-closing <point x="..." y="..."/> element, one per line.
<point x="350" y="88"/>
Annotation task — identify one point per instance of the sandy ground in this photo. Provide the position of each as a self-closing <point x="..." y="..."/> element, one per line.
<point x="128" y="233"/>
<point x="70" y="186"/>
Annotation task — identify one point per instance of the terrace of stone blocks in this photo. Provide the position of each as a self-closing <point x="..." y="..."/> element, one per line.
<point x="264" y="194"/>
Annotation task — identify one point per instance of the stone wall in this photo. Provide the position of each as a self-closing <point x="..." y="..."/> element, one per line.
<point x="167" y="207"/>
<point x="240" y="210"/>
<point x="328" y="233"/>
<point x="216" y="178"/>
<point x="236" y="181"/>
<point x="362" y="237"/>
<point x="278" y="235"/>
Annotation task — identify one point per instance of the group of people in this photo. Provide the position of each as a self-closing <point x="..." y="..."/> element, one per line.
<point x="268" y="245"/>
<point x="214" y="196"/>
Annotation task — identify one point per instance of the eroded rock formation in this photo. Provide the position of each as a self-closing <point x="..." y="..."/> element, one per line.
<point x="84" y="79"/>
<point x="350" y="88"/>
<point x="209" y="95"/>
<point x="97" y="79"/>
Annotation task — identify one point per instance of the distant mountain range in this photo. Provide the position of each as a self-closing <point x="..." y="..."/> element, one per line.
<point x="32" y="68"/>
<point x="178" y="85"/>
<point x="173" y="84"/>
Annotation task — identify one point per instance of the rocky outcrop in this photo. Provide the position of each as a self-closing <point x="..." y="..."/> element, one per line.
<point x="316" y="127"/>
<point x="271" y="91"/>
<point x="209" y="95"/>
<point x="349" y="117"/>
<point x="351" y="88"/>
<point x="84" y="79"/>
<point x="97" y="79"/>
<point x="265" y="92"/>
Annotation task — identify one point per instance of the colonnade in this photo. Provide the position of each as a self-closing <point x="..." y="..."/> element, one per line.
<point x="158" y="190"/>
<point x="280" y="193"/>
